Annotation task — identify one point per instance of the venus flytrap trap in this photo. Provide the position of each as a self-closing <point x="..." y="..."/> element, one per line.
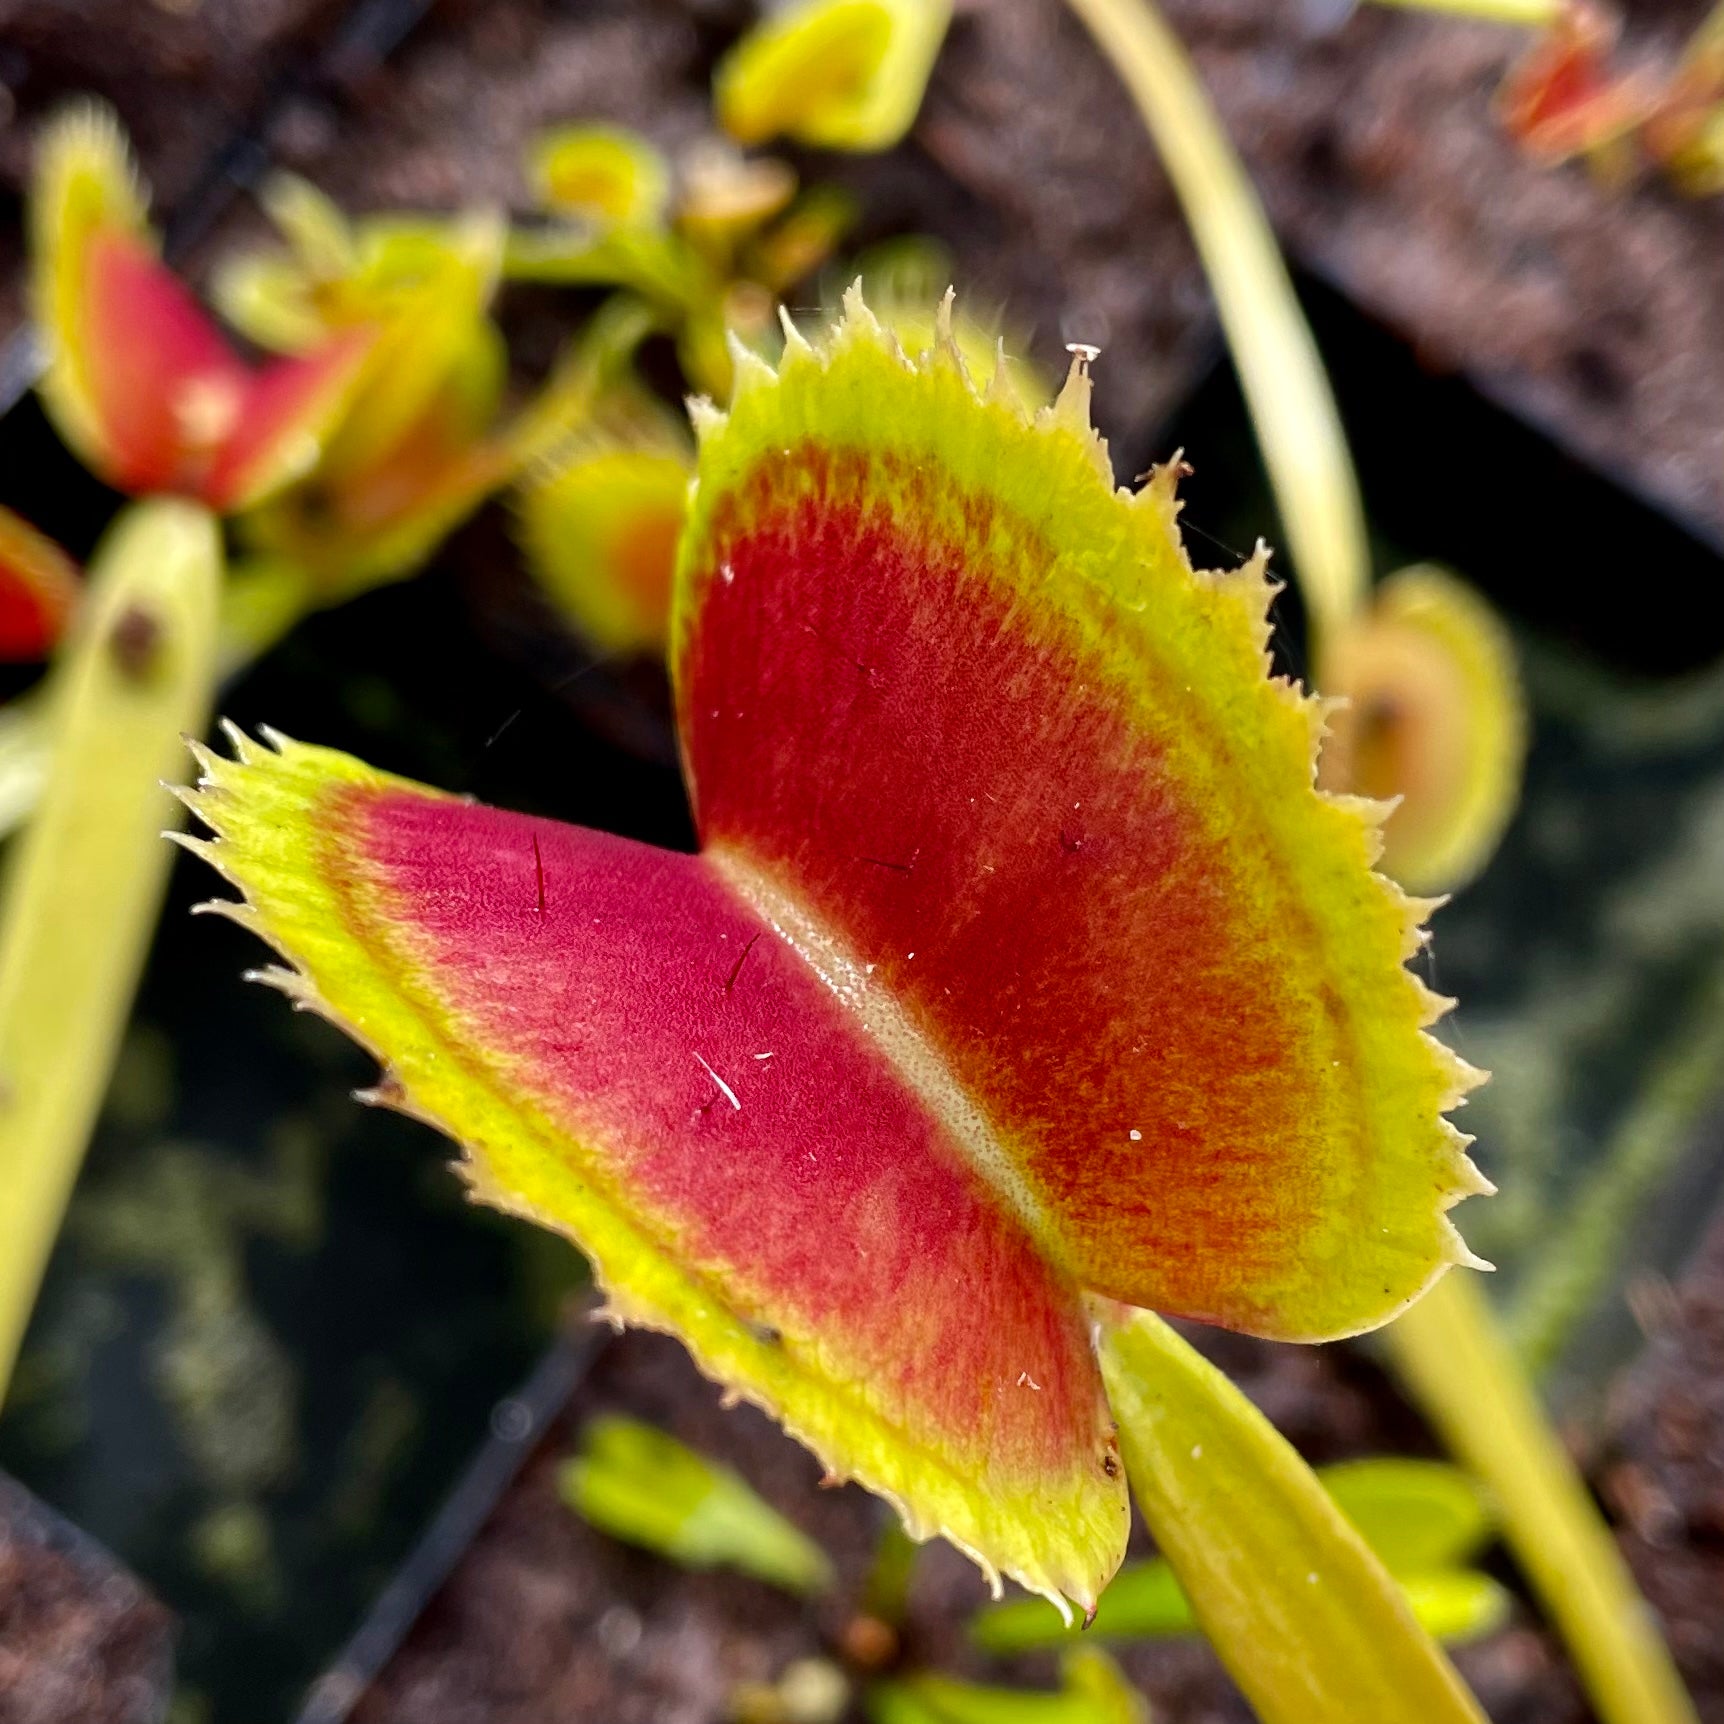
<point x="970" y="1001"/>
<point x="1563" y="100"/>
<point x="606" y="175"/>
<point x="712" y="253"/>
<point x="1434" y="715"/>
<point x="836" y="74"/>
<point x="422" y="443"/>
<point x="138" y="380"/>
<point x="599" y="524"/>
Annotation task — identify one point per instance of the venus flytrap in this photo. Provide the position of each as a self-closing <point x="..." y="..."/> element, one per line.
<point x="1434" y="715"/>
<point x="138" y="380"/>
<point x="712" y="257"/>
<point x="606" y="175"/>
<point x="599" y="523"/>
<point x="1563" y="99"/>
<point x="978" y="998"/>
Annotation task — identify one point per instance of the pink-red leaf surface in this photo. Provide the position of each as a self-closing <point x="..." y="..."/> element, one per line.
<point x="39" y="584"/>
<point x="1021" y="959"/>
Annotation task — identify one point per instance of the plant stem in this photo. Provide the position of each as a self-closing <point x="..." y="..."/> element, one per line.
<point x="23" y="760"/>
<point x="1305" y="1618"/>
<point x="1532" y="14"/>
<point x="1462" y="1372"/>
<point x="1292" y="406"/>
<point x="84" y="884"/>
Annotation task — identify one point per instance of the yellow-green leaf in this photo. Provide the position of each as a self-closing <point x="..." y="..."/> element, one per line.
<point x="642" y="1486"/>
<point x="83" y="886"/>
<point x="1306" y="1619"/>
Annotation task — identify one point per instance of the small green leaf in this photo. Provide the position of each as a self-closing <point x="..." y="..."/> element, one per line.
<point x="1093" y="1692"/>
<point x="1458" y="1604"/>
<point x="1416" y="1515"/>
<point x="645" y="1488"/>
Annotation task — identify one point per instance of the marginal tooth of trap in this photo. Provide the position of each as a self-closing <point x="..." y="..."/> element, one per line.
<point x="706" y="418"/>
<point x="945" y="336"/>
<point x="795" y="342"/>
<point x="1463" y="1256"/>
<point x="203" y="848"/>
<point x="234" y="910"/>
<point x="276" y="739"/>
<point x="388" y="1091"/>
<point x="1071" y="406"/>
<point x="279" y="977"/>
<point x="1002" y="391"/>
<point x="209" y="763"/>
<point x="1423" y="909"/>
<point x="1070" y="412"/>
<point x="238" y="741"/>
<point x="1433" y="1007"/>
<point x="943" y="319"/>
<point x="856" y="311"/>
<point x="752" y="372"/>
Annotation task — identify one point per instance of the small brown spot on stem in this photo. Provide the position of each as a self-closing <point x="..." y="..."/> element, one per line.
<point x="135" y="640"/>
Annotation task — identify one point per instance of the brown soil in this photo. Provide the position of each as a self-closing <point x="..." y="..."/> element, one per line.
<point x="81" y="1642"/>
<point x="545" y="1618"/>
<point x="1664" y="1474"/>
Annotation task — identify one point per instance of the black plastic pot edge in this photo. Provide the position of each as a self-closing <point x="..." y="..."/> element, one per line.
<point x="517" y="1424"/>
